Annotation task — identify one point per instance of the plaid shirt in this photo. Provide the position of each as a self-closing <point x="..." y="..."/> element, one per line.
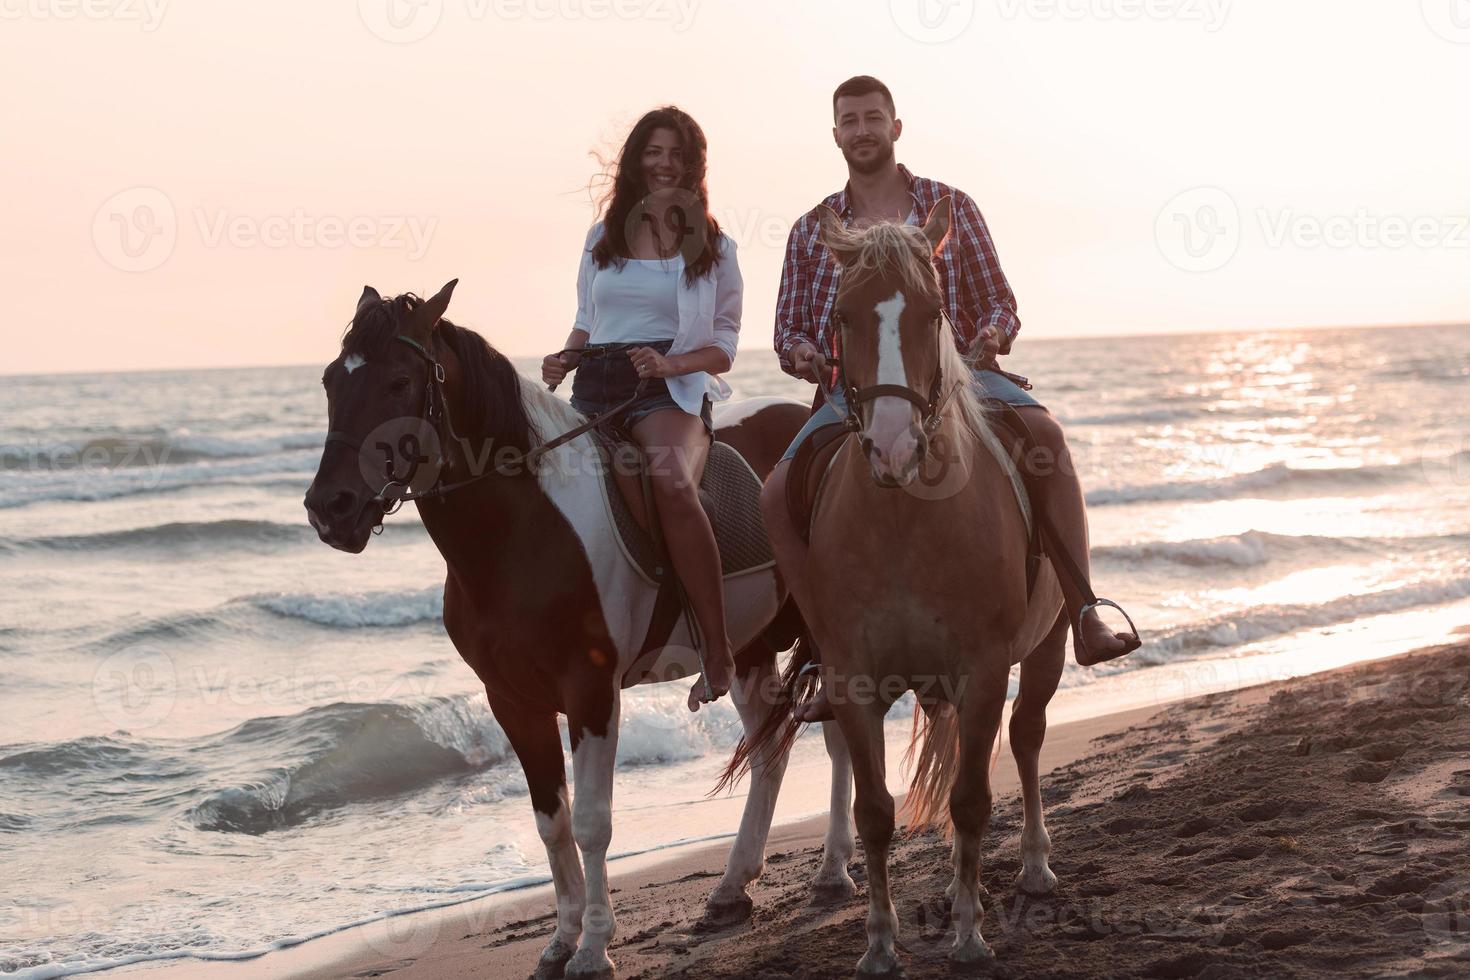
<point x="976" y="293"/>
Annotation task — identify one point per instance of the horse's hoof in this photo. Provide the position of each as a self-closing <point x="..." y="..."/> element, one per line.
<point x="1036" y="881"/>
<point x="553" y="962"/>
<point x="837" y="891"/>
<point x="587" y="965"/>
<point x="728" y="911"/>
<point x="971" y="953"/>
<point x="875" y="965"/>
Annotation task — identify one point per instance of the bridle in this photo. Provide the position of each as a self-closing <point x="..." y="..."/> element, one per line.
<point x="436" y="413"/>
<point x="931" y="408"/>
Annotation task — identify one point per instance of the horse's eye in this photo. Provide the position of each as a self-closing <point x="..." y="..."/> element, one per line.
<point x="400" y="385"/>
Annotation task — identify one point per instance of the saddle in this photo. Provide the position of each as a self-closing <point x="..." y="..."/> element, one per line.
<point x="729" y="491"/>
<point x="813" y="460"/>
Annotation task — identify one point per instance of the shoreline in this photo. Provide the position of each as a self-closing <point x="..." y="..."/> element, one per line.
<point x="451" y="940"/>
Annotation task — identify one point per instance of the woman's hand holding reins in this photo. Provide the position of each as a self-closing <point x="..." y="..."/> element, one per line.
<point x="651" y="364"/>
<point x="554" y="367"/>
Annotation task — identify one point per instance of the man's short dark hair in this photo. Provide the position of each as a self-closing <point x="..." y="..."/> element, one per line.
<point x="863" y="85"/>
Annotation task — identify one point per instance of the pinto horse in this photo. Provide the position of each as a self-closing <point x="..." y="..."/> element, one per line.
<point x="539" y="599"/>
<point x="918" y="578"/>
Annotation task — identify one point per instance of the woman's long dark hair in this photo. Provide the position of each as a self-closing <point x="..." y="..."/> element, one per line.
<point x="627" y="197"/>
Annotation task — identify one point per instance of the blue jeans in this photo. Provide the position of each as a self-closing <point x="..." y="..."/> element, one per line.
<point x="991" y="384"/>
<point x="603" y="383"/>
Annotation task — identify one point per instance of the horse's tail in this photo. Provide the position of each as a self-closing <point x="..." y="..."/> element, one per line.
<point x="778" y="731"/>
<point x="933" y="757"/>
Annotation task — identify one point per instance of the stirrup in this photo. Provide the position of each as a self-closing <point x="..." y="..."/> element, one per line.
<point x="1131" y="640"/>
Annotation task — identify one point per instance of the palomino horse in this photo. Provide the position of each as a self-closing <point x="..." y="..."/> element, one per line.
<point x="539" y="599"/>
<point x="922" y="584"/>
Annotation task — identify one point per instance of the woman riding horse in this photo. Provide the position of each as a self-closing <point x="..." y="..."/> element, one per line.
<point x="659" y="288"/>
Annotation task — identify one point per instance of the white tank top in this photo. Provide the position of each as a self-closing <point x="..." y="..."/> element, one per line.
<point x="638" y="302"/>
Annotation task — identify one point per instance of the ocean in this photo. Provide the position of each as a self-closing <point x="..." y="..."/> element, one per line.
<point x="222" y="737"/>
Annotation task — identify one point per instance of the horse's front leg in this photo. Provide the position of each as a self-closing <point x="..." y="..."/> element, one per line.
<point x="862" y="727"/>
<point x="730" y="901"/>
<point x="537" y="743"/>
<point x="594" y="752"/>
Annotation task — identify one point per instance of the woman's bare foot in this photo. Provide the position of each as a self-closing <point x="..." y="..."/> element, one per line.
<point x="719" y="672"/>
<point x="1098" y="643"/>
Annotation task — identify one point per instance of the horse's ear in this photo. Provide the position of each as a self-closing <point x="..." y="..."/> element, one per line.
<point x="936" y="226"/>
<point x="429" y="313"/>
<point x="369" y="295"/>
<point x="832" y="234"/>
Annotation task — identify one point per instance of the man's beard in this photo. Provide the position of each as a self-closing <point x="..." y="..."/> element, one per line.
<point x="883" y="159"/>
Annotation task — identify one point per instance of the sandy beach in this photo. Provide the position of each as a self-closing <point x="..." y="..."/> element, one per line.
<point x="1309" y="828"/>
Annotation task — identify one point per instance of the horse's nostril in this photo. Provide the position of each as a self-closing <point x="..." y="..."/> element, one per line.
<point x="921" y="447"/>
<point x="868" y="447"/>
<point x="341" y="503"/>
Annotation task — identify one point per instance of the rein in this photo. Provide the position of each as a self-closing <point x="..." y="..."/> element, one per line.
<point x="436" y="413"/>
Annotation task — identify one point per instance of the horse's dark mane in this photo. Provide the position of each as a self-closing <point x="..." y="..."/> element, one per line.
<point x="491" y="392"/>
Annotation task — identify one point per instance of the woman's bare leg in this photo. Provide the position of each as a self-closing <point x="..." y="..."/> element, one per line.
<point x="677" y="445"/>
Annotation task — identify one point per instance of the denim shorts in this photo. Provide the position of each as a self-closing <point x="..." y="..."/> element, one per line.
<point x="603" y="383"/>
<point x="990" y="384"/>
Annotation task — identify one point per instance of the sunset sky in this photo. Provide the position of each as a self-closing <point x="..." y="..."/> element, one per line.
<point x="205" y="184"/>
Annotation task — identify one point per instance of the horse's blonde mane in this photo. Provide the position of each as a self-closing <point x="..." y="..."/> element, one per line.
<point x="888" y="250"/>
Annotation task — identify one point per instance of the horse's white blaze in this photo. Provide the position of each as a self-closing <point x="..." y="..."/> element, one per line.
<point x="891" y="425"/>
<point x="353" y="361"/>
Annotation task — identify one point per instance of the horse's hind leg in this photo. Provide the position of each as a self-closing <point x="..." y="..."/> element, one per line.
<point x="833" y="883"/>
<point x="537" y="744"/>
<point x="730" y="902"/>
<point x="1040" y="672"/>
<point x="969" y="808"/>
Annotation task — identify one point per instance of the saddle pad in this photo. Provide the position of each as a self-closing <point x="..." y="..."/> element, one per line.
<point x="731" y="494"/>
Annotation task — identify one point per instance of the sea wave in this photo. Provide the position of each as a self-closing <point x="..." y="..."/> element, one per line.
<point x="168" y="536"/>
<point x="131" y="450"/>
<point x="1254" y="548"/>
<point x="86" y="484"/>
<point x="362" y="752"/>
<point x="1277" y="478"/>
<point x="1269" y="621"/>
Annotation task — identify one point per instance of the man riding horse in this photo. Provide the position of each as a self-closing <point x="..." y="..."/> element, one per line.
<point x="982" y="312"/>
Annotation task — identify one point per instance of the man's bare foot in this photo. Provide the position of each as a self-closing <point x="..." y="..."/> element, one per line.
<point x="719" y="667"/>
<point x="815" y="710"/>
<point x="1098" y="643"/>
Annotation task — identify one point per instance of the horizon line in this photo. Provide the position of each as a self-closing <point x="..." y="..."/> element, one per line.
<point x="1049" y="339"/>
